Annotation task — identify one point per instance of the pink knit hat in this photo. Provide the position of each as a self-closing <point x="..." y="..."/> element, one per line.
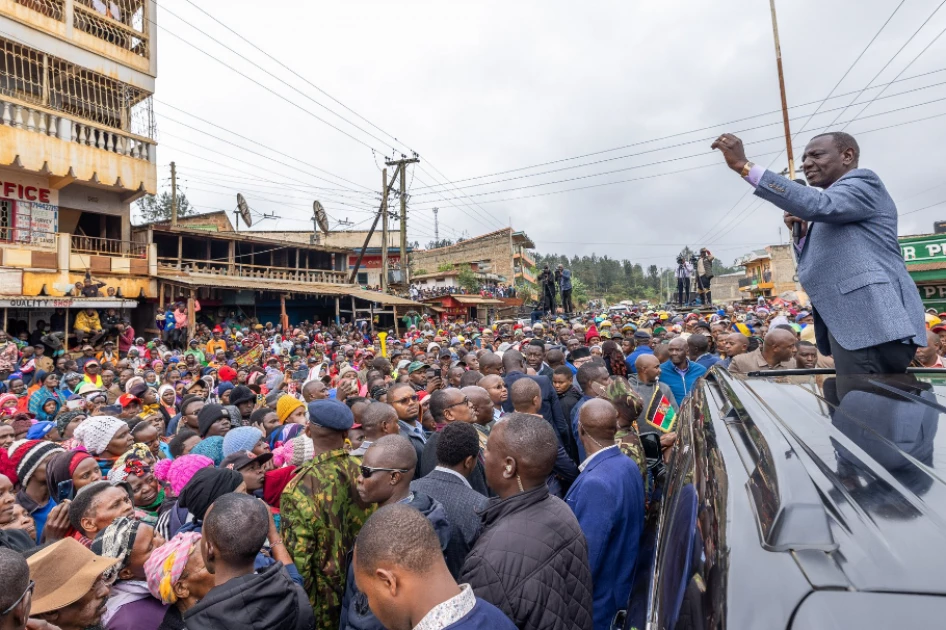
<point x="179" y="471"/>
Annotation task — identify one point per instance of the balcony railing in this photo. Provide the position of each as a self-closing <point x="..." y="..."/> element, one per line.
<point x="108" y="247"/>
<point x="54" y="9"/>
<point x="14" y="113"/>
<point x="262" y="272"/>
<point x="123" y="23"/>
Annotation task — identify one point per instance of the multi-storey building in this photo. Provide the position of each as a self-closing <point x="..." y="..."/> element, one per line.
<point x="76" y="149"/>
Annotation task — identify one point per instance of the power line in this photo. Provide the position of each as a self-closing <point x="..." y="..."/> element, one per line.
<point x="889" y="61"/>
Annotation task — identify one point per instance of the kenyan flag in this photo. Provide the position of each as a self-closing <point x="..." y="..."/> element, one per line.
<point x="660" y="413"/>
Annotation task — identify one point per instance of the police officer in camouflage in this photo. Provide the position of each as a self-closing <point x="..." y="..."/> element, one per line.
<point x="322" y="513"/>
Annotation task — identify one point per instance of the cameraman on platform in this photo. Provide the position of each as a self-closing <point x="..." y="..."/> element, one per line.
<point x="704" y="273"/>
<point x="684" y="269"/>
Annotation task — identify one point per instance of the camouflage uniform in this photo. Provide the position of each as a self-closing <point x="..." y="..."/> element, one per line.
<point x="321" y="515"/>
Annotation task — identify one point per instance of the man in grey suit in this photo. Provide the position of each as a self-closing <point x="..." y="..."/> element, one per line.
<point x="867" y="310"/>
<point x="458" y="448"/>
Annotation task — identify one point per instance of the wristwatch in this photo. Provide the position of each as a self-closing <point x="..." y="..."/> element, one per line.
<point x="746" y="168"/>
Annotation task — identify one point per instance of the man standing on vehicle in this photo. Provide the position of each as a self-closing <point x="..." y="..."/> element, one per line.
<point x="870" y="319"/>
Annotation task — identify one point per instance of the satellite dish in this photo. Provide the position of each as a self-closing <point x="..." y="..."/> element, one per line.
<point x="320" y="217"/>
<point x="244" y="211"/>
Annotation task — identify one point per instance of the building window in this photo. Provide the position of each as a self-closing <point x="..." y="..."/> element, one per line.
<point x="362" y="278"/>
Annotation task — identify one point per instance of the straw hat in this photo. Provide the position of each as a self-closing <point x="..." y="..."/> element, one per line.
<point x="64" y="572"/>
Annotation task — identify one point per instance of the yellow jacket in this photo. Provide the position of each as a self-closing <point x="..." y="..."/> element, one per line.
<point x="87" y="323"/>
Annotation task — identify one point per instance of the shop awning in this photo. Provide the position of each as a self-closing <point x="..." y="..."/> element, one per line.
<point x="308" y="288"/>
<point x="32" y="301"/>
<point x="475" y="299"/>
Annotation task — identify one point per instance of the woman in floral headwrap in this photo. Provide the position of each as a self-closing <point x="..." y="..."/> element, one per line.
<point x="148" y="494"/>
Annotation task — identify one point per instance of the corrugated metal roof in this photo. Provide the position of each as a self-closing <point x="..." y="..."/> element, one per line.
<point x="930" y="266"/>
<point x="309" y="288"/>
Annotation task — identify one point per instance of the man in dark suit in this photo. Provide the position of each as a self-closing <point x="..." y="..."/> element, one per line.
<point x="514" y="365"/>
<point x="458" y="449"/>
<point x="867" y="311"/>
<point x="449" y="406"/>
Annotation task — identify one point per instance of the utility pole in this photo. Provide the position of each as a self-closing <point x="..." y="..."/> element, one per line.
<point x="781" y="85"/>
<point x="402" y="165"/>
<point x="374" y="224"/>
<point x="173" y="195"/>
<point x="436" y="229"/>
<point x="384" y="230"/>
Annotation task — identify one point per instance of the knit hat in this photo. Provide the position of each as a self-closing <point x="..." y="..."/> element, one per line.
<point x="166" y="565"/>
<point x="294" y="452"/>
<point x="61" y="467"/>
<point x="211" y="447"/>
<point x="241" y="394"/>
<point x="63" y="419"/>
<point x="28" y="456"/>
<point x="96" y="432"/>
<point x="241" y="439"/>
<point x="285" y="406"/>
<point x="207" y="416"/>
<point x="227" y="374"/>
<point x="178" y="472"/>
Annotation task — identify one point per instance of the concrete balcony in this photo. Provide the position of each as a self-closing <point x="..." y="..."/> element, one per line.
<point x="34" y="262"/>
<point x="526" y="275"/>
<point x="69" y="149"/>
<point x="523" y="259"/>
<point x="209" y="269"/>
<point x="119" y="30"/>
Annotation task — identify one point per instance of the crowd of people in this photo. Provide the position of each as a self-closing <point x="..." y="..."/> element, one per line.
<point x="461" y="476"/>
<point x="418" y="292"/>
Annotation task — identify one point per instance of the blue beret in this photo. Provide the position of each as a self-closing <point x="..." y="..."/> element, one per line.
<point x="331" y="414"/>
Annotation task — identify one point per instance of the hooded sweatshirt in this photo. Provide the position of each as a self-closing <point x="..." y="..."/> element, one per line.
<point x="268" y="599"/>
<point x="355" y="612"/>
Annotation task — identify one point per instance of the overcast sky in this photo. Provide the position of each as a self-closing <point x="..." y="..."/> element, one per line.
<point x="486" y="87"/>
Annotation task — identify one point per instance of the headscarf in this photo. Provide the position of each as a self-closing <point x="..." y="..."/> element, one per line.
<point x="61" y="467"/>
<point x="166" y="564"/>
<point x="38" y="400"/>
<point x="206" y="486"/>
<point x="139" y="451"/>
<point x="96" y="432"/>
<point x="117" y="541"/>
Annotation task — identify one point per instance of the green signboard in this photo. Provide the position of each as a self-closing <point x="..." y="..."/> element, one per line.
<point x="931" y="248"/>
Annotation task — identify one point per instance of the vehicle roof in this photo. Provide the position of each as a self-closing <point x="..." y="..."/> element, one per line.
<point x="847" y="473"/>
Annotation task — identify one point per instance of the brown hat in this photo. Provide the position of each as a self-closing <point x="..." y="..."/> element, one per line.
<point x="64" y="572"/>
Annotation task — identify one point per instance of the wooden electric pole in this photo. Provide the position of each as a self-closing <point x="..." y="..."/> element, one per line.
<point x="381" y="209"/>
<point x="384" y="231"/>
<point x="402" y="165"/>
<point x="781" y="85"/>
<point x="173" y="195"/>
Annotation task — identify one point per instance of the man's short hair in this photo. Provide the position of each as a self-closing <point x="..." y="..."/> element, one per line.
<point x="523" y="392"/>
<point x="531" y="440"/>
<point x="457" y="441"/>
<point x="237" y="525"/>
<point x="176" y="445"/>
<point x="415" y="547"/>
<point x="14" y="576"/>
<point x="399" y="450"/>
<point x="588" y="373"/>
<point x="376" y="413"/>
<point x="563" y="370"/>
<point x="83" y="502"/>
<point x="843" y="142"/>
<point x="470" y="377"/>
<point x="801" y="343"/>
<point x="439" y="403"/>
<point x="699" y="343"/>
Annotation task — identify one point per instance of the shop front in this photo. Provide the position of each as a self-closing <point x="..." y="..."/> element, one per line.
<point x="925" y="258"/>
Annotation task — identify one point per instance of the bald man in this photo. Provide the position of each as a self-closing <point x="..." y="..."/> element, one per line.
<point x="777" y="352"/>
<point x="377" y="420"/>
<point x="645" y="382"/>
<point x="385" y="479"/>
<point x="608" y="501"/>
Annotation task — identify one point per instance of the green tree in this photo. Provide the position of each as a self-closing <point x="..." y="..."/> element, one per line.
<point x="467" y="279"/>
<point x="156" y="208"/>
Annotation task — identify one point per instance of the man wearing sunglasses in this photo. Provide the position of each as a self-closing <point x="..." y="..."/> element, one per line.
<point x="446" y="406"/>
<point x="385" y="479"/>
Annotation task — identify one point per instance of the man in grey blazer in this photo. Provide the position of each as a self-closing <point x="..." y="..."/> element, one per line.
<point x="867" y="310"/>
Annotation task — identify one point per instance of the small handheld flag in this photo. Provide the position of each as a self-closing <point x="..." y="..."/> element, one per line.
<point x="660" y="413"/>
